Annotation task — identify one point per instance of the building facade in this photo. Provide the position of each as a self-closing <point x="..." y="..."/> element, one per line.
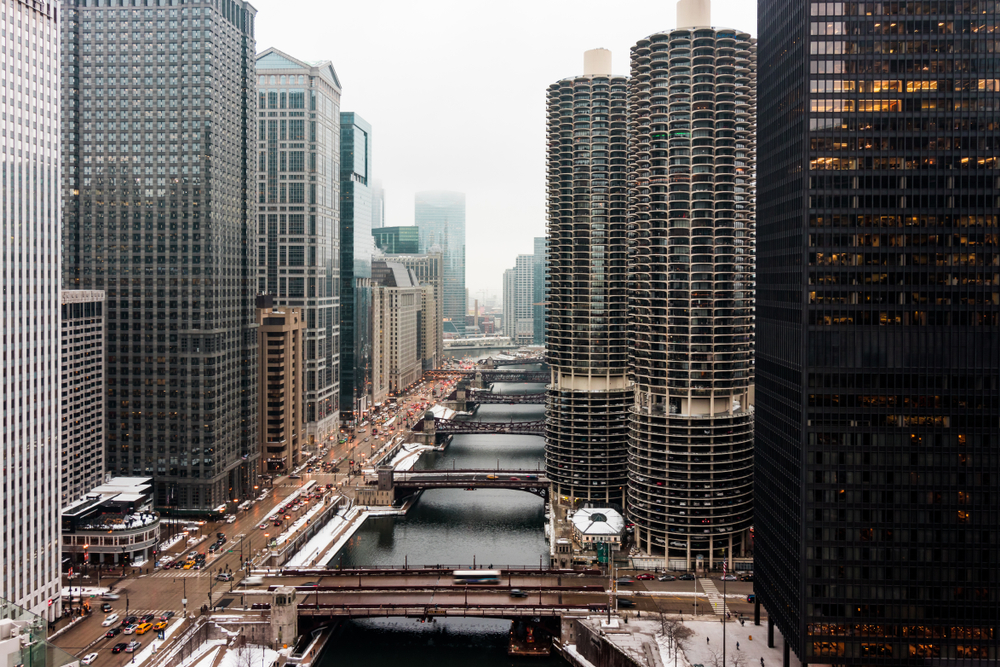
<point x="159" y="135"/>
<point x="112" y="524"/>
<point x="281" y="335"/>
<point x="378" y="205"/>
<point x="509" y="303"/>
<point x="396" y="299"/>
<point x="298" y="222"/>
<point x="878" y="359"/>
<point x="429" y="271"/>
<point x="440" y="216"/>
<point x="82" y="434"/>
<point x="396" y="240"/>
<point x="691" y="211"/>
<point x="29" y="269"/>
<point x="540" y="289"/>
<point x="586" y="433"/>
<point x="357" y="247"/>
<point x="524" y="309"/>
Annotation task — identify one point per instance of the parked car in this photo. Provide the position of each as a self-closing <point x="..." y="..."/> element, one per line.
<point x="728" y="577"/>
<point x="89" y="658"/>
<point x="110" y="620"/>
<point x="747" y="577"/>
<point x="119" y="647"/>
<point x="645" y="576"/>
<point x="686" y="577"/>
<point x="666" y="577"/>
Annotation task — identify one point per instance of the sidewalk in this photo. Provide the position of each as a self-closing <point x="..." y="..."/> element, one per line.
<point x="752" y="641"/>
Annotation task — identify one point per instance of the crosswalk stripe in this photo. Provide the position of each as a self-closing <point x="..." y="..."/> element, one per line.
<point x="714" y="597"/>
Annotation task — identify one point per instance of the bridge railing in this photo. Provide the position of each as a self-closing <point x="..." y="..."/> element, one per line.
<point x="439" y="568"/>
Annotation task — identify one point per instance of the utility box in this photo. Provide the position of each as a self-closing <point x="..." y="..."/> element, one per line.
<point x="284" y="617"/>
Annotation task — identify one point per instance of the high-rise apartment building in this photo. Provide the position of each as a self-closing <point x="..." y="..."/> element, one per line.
<point x="878" y="355"/>
<point x="29" y="270"/>
<point x="509" y="303"/>
<point x="524" y="276"/>
<point x="280" y="374"/>
<point x="441" y="219"/>
<point x="691" y="217"/>
<point x="396" y="240"/>
<point x="540" y="290"/>
<point x="356" y="248"/>
<point x="429" y="271"/>
<point x="586" y="432"/>
<point x="298" y="221"/>
<point x="159" y="157"/>
<point x="83" y="388"/>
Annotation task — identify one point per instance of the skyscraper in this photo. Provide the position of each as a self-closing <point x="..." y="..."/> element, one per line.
<point x="356" y="248"/>
<point x="586" y="333"/>
<point x="83" y="389"/>
<point x="539" y="285"/>
<point x="428" y="270"/>
<point x="378" y="205"/>
<point x="524" y="330"/>
<point x="159" y="144"/>
<point x="29" y="269"/>
<point x="691" y="159"/>
<point x="510" y="303"/>
<point x="397" y="240"/>
<point x="441" y="219"/>
<point x="878" y="356"/>
<point x="298" y="224"/>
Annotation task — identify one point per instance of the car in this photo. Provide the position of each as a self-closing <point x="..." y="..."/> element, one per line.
<point x="491" y="477"/>
<point x="686" y="577"/>
<point x="143" y="628"/>
<point x="213" y="548"/>
<point x="133" y="646"/>
<point x="159" y="625"/>
<point x="295" y="477"/>
<point x="188" y="565"/>
<point x="112" y="632"/>
<point x="106" y="607"/>
<point x="645" y="576"/>
<point x="625" y="602"/>
<point x="517" y="593"/>
<point x="624" y="580"/>
<point x="167" y="616"/>
<point x="119" y="647"/>
<point x="221" y="537"/>
<point x="130" y="629"/>
<point x="110" y="597"/>
<point x="146" y="618"/>
<point x="515" y="479"/>
<point x="231" y="518"/>
<point x="262" y="526"/>
<point x="110" y="620"/>
<point x="752" y="597"/>
<point x="666" y="577"/>
<point x="89" y="658"/>
<point x="746" y="577"/>
<point x="728" y="577"/>
<point x="224" y="576"/>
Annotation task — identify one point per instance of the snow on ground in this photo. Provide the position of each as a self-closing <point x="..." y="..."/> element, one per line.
<point x="571" y="649"/>
<point x="748" y="640"/>
<point x="255" y="656"/>
<point x="83" y="591"/>
<point x="441" y="412"/>
<point x="408" y="455"/>
<point x="147" y="651"/>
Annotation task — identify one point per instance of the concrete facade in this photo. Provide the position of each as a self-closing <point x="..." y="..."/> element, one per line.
<point x="280" y="373"/>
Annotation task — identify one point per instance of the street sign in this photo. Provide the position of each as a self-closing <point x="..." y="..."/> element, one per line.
<point x="602" y="552"/>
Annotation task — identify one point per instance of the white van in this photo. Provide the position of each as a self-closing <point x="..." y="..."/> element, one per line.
<point x="252" y="581"/>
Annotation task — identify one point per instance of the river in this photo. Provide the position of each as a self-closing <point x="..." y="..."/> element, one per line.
<point x="453" y="527"/>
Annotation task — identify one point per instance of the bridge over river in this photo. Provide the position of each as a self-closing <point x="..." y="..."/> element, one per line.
<point x="532" y="481"/>
<point x="434" y="427"/>
<point x="492" y="376"/>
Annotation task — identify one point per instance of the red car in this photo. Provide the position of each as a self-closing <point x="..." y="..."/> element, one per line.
<point x="645" y="576"/>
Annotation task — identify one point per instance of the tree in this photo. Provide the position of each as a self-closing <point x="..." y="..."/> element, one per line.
<point x="676" y="632"/>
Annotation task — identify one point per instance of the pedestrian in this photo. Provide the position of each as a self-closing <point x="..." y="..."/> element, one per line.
<point x="708" y="640"/>
<point x="762" y="662"/>
<point x="737" y="646"/>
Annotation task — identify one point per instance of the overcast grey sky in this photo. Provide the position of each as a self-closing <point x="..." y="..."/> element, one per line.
<point x="455" y="93"/>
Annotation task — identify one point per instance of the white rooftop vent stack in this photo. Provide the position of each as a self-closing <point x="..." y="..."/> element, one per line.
<point x="694" y="13"/>
<point x="597" y="62"/>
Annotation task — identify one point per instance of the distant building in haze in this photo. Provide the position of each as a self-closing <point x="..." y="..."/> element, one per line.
<point x="441" y="219"/>
<point x="378" y="205"/>
<point x="356" y="248"/>
<point x="540" y="287"/>
<point x="396" y="240"/>
<point x="297" y="235"/>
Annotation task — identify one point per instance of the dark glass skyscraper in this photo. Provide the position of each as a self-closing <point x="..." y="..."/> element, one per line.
<point x="356" y="248"/>
<point x="159" y="144"/>
<point x="878" y="356"/>
<point x="586" y="410"/>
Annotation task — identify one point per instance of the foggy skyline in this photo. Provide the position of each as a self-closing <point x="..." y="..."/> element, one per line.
<point x="455" y="93"/>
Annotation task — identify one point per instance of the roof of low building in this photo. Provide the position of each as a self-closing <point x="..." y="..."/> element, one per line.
<point x="598" y="521"/>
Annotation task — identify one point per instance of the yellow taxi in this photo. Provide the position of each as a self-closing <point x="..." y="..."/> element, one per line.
<point x="188" y="565"/>
<point x="143" y="628"/>
<point x="160" y="625"/>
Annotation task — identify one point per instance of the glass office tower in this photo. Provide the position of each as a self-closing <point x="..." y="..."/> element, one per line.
<point x="298" y="223"/>
<point x="586" y="409"/>
<point x="30" y="537"/>
<point x="441" y="219"/>
<point x="397" y="240"/>
<point x="691" y="221"/>
<point x="356" y="249"/>
<point x="878" y="358"/>
<point x="159" y="146"/>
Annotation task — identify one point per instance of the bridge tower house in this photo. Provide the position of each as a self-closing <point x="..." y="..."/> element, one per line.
<point x="284" y="617"/>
